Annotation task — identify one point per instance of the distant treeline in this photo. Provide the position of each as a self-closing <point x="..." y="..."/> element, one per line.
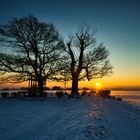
<point x="46" y="88"/>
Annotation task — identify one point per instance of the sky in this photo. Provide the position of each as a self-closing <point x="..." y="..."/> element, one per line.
<point x="117" y="23"/>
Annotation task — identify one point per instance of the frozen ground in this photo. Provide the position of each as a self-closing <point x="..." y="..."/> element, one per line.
<point x="89" y="118"/>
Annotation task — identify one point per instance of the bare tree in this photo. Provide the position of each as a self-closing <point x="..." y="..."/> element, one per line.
<point x="32" y="49"/>
<point x="84" y="59"/>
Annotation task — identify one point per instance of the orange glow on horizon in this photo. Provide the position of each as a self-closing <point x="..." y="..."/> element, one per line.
<point x="106" y="82"/>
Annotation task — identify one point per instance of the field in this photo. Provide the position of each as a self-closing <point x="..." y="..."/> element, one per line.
<point x="88" y="118"/>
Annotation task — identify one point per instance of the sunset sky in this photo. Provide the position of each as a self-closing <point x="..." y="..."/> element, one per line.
<point x="117" y="22"/>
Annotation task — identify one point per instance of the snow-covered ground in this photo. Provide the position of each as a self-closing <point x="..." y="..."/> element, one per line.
<point x="89" y="118"/>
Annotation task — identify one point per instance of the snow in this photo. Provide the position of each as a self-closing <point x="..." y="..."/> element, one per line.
<point x="88" y="118"/>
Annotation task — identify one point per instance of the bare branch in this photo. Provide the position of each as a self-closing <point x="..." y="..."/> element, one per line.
<point x="34" y="46"/>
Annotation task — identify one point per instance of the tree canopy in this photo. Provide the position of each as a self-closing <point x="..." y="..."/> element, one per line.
<point x="33" y="50"/>
<point x="85" y="59"/>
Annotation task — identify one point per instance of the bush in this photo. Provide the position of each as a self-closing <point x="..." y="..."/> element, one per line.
<point x="70" y="95"/>
<point x="22" y="93"/>
<point x="83" y="93"/>
<point x="4" y="94"/>
<point x="14" y="94"/>
<point x="91" y="93"/>
<point x="65" y="93"/>
<point x="119" y="99"/>
<point x="45" y="94"/>
<point x="104" y="93"/>
<point x="59" y="94"/>
<point x="25" y="94"/>
<point x="32" y="95"/>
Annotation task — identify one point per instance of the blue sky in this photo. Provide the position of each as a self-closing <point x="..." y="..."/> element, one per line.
<point x="117" y="22"/>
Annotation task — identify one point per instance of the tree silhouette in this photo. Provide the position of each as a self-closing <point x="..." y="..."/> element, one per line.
<point x="84" y="59"/>
<point x="32" y="50"/>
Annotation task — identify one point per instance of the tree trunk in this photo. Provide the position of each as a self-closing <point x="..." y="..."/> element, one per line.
<point x="40" y="87"/>
<point x="74" y="91"/>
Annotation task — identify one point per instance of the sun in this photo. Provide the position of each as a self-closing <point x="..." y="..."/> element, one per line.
<point x="98" y="84"/>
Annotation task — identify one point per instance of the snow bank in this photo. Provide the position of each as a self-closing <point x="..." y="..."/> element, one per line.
<point x="89" y="118"/>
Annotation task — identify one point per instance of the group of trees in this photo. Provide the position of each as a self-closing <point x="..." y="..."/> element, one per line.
<point x="35" y="49"/>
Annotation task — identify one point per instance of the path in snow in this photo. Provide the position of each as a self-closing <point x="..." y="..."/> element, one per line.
<point x="89" y="118"/>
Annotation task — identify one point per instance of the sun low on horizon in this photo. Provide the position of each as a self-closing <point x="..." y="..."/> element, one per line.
<point x="98" y="84"/>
